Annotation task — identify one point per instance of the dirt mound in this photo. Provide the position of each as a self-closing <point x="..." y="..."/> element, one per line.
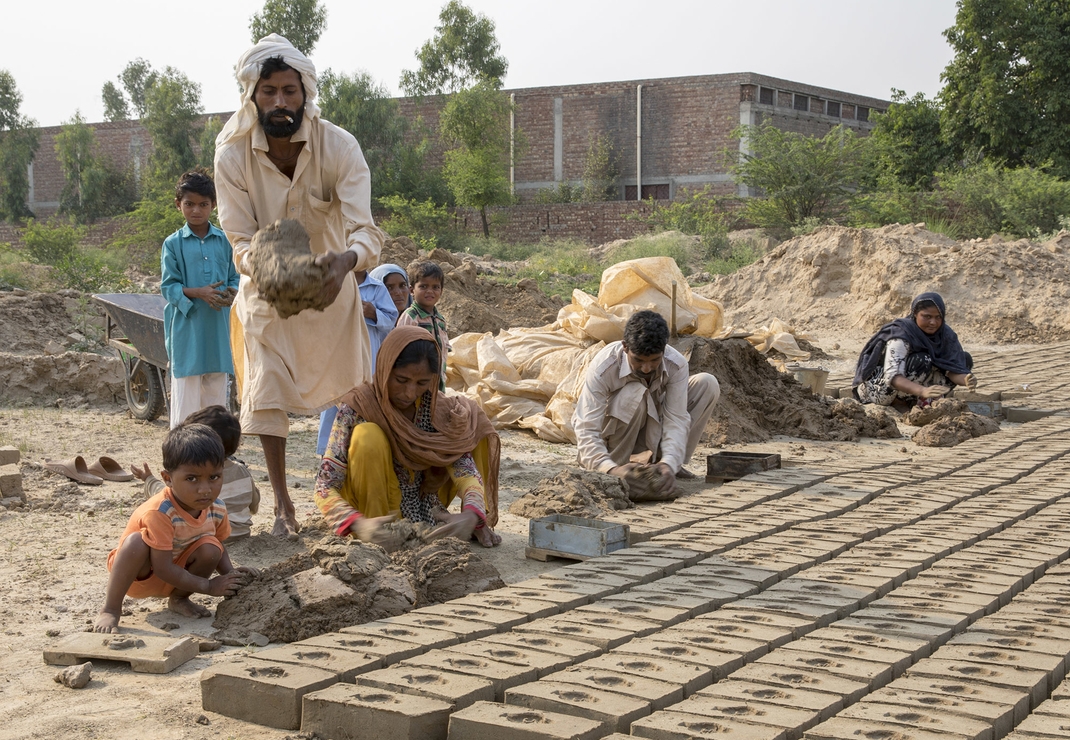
<point x="575" y="492"/>
<point x="838" y="279"/>
<point x="471" y="302"/>
<point x="36" y="323"/>
<point x="72" y="379"/>
<point x="948" y="422"/>
<point x="284" y="270"/>
<point x="758" y="402"/>
<point x="339" y="584"/>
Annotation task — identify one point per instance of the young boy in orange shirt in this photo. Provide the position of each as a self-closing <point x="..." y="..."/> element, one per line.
<point x="173" y="542"/>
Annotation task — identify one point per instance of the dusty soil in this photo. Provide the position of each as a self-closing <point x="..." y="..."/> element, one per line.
<point x="948" y="422"/>
<point x="758" y="402"/>
<point x="284" y="270"/>
<point x="839" y="280"/>
<point x="575" y="492"/>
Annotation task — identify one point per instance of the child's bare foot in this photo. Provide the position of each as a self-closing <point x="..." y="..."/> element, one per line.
<point x="182" y="605"/>
<point x="107" y="621"/>
<point x="487" y="537"/>
<point x="285" y="527"/>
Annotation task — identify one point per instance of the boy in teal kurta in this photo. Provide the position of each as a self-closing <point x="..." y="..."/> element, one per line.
<point x="199" y="281"/>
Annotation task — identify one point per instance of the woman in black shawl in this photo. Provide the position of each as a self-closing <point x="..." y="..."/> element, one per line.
<point x="914" y="359"/>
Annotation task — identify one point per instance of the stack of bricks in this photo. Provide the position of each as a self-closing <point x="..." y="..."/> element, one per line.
<point x="11" y="493"/>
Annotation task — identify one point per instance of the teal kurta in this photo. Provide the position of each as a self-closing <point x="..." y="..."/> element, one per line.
<point x="197" y="336"/>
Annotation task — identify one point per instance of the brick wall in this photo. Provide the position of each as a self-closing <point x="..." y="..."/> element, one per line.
<point x="97" y="235"/>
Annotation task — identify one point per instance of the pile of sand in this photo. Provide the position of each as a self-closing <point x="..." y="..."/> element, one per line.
<point x="284" y="269"/>
<point x="343" y="583"/>
<point x="470" y="301"/>
<point x="575" y="492"/>
<point x="838" y="280"/>
<point x="948" y="422"/>
<point x="758" y="402"/>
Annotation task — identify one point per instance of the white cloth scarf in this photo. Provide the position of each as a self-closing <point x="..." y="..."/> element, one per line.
<point x="247" y="72"/>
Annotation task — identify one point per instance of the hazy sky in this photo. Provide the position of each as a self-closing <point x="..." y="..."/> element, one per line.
<point x="61" y="52"/>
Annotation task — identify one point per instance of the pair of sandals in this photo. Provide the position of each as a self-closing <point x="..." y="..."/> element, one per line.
<point x="105" y="468"/>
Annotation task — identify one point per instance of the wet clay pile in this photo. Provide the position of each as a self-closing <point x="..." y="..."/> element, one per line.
<point x="840" y="279"/>
<point x="948" y="422"/>
<point x="758" y="402"/>
<point x="284" y="269"/>
<point x="40" y="335"/>
<point x="471" y="302"/>
<point x="575" y="492"/>
<point x="339" y="584"/>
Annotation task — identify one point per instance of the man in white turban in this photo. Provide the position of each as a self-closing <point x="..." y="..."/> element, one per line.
<point x="276" y="158"/>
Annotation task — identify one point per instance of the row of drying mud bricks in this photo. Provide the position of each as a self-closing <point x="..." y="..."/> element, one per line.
<point x="821" y="620"/>
<point x="11" y="492"/>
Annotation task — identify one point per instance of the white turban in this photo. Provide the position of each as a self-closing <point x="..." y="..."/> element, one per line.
<point x="248" y="73"/>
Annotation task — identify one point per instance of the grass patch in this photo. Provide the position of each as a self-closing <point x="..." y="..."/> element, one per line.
<point x="739" y="254"/>
<point x="672" y="244"/>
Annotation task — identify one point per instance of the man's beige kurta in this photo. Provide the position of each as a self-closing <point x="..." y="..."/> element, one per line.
<point x="304" y="363"/>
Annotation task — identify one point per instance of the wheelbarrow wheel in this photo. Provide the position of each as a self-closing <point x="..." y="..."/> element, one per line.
<point x="144" y="393"/>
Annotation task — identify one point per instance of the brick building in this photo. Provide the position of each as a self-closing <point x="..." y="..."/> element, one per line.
<point x="669" y="134"/>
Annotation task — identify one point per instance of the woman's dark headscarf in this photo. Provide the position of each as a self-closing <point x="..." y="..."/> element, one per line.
<point x="943" y="346"/>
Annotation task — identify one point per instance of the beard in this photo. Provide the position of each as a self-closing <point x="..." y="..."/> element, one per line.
<point x="284" y="130"/>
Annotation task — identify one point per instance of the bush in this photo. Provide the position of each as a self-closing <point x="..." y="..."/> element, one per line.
<point x="93" y="271"/>
<point x="665" y="244"/>
<point x="699" y="215"/>
<point x="52" y="242"/>
<point x="739" y="255"/>
<point x="563" y="192"/>
<point x="153" y="219"/>
<point x="426" y="223"/>
<point x="986" y="198"/>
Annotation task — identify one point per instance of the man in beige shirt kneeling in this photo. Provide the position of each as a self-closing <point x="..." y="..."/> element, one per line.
<point x="639" y="415"/>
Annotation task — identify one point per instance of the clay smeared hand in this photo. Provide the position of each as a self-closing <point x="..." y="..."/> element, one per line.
<point x="373" y="531"/>
<point x="339" y="265"/>
<point x="934" y="391"/>
<point x="227" y="585"/>
<point x="971" y="381"/>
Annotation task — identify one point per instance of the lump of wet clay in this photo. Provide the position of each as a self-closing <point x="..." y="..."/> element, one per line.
<point x="284" y="269"/>
<point x="75" y="676"/>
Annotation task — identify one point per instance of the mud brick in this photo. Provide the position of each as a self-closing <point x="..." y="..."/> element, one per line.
<point x="491" y="721"/>
<point x="501" y="674"/>
<point x="850" y="690"/>
<point x="340" y="709"/>
<point x="426" y="638"/>
<point x="839" y="728"/>
<point x="9" y="455"/>
<point x="999" y="716"/>
<point x="723" y="567"/>
<point x="1032" y="683"/>
<point x="689" y="635"/>
<point x="345" y="664"/>
<point x="874" y="674"/>
<point x="659" y="693"/>
<point x="387" y="650"/>
<point x="928" y="591"/>
<point x="11" y="483"/>
<point x="817" y="612"/>
<point x="613" y="711"/>
<point x="742" y="613"/>
<point x="456" y="689"/>
<point x="978" y="636"/>
<point x="690" y="676"/>
<point x="898" y="660"/>
<point x="804" y="587"/>
<point x="575" y="589"/>
<point x="634" y="573"/>
<point x="574" y="650"/>
<point x="698" y="540"/>
<point x="501" y="619"/>
<point x="823" y="705"/>
<point x="672" y="725"/>
<point x="1020" y="625"/>
<point x="881" y="610"/>
<point x="543" y="662"/>
<point x="606" y="582"/>
<point x="619" y="605"/>
<point x="261" y="692"/>
<point x="564" y="598"/>
<point x="915" y="647"/>
<point x="1055" y="665"/>
<point x="631" y="556"/>
<point x="916" y="717"/>
<point x="605" y="632"/>
<point x="681" y="554"/>
<point x="534" y="608"/>
<point x="698" y="579"/>
<point x="1002" y="588"/>
<point x="1037" y="726"/>
<point x="876" y="584"/>
<point x="792" y="720"/>
<point x="784" y="564"/>
<point x="462" y="628"/>
<point x="771" y="634"/>
<point x="719" y="662"/>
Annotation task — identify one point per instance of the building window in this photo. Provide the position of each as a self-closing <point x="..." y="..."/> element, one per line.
<point x="863" y="113"/>
<point x="802" y="102"/>
<point x="767" y="96"/>
<point x="832" y="109"/>
<point x="657" y="192"/>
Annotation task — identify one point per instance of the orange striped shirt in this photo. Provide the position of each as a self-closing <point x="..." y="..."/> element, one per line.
<point x="165" y="525"/>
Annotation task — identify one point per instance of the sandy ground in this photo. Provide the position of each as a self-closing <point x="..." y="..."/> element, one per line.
<point x="54" y="567"/>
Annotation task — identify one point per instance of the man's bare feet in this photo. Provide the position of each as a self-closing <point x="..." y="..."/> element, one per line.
<point x="286" y="527"/>
<point x="487" y="537"/>
<point x="107" y="622"/>
<point x="183" y="606"/>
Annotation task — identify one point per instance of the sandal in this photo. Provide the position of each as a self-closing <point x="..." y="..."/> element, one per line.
<point x="76" y="470"/>
<point x="108" y="469"/>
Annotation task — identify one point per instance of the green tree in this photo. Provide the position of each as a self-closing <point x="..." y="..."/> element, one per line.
<point x="115" y="105"/>
<point x="172" y="116"/>
<point x="905" y="145"/>
<point x="212" y="127"/>
<point x="138" y="77"/>
<point x="1004" y="91"/>
<point x="18" y="145"/>
<point x="93" y="187"/>
<point x="797" y="177"/>
<point x="600" y="170"/>
<point x="301" y="22"/>
<point x="463" y="52"/>
<point x="475" y="123"/>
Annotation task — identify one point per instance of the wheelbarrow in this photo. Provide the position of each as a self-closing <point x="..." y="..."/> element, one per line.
<point x="135" y="328"/>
